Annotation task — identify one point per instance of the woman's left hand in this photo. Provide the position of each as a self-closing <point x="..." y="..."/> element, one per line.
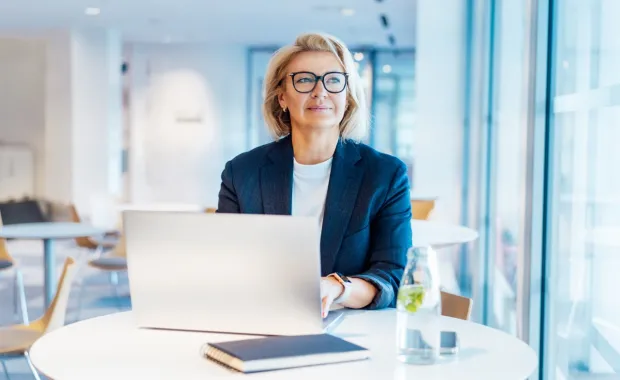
<point x="330" y="290"/>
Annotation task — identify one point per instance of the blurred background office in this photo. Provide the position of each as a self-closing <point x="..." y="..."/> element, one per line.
<point x="506" y="112"/>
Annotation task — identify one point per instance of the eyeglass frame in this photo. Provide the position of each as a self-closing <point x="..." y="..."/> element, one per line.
<point x="322" y="79"/>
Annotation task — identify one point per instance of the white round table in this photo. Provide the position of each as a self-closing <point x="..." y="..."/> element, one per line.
<point x="48" y="232"/>
<point x="422" y="197"/>
<point x="439" y="234"/>
<point x="111" y="347"/>
<point x="189" y="207"/>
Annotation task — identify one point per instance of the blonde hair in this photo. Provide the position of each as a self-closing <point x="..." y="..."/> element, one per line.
<point x="354" y="124"/>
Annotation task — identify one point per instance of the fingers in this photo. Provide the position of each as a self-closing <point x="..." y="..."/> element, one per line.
<point x="326" y="304"/>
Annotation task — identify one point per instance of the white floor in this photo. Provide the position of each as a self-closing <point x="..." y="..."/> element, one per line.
<point x="97" y="296"/>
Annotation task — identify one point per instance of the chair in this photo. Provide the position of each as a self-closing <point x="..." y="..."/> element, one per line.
<point x="422" y="209"/>
<point x="7" y="263"/>
<point x="85" y="241"/>
<point x="455" y="306"/>
<point x="113" y="261"/>
<point x="15" y="341"/>
<point x="22" y="211"/>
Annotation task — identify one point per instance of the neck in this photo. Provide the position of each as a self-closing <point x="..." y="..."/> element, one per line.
<point x="312" y="147"/>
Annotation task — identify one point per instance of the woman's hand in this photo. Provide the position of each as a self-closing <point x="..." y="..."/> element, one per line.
<point x="330" y="290"/>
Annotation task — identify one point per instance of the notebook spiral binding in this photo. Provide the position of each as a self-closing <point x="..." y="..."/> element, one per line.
<point x="220" y="357"/>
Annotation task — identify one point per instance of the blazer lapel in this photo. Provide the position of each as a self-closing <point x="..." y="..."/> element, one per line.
<point x="344" y="183"/>
<point x="276" y="179"/>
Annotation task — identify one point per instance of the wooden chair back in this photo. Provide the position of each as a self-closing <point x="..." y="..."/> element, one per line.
<point x="4" y="252"/>
<point x="455" y="306"/>
<point x="421" y="210"/>
<point x="82" y="241"/>
<point x="55" y="314"/>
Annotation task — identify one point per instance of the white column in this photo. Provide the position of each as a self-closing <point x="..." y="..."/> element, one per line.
<point x="83" y="129"/>
<point x="440" y="79"/>
<point x="58" y="120"/>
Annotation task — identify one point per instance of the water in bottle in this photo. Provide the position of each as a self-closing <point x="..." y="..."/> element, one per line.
<point x="418" y="309"/>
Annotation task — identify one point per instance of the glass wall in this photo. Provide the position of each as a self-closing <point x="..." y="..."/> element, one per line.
<point x="258" y="60"/>
<point x="550" y="199"/>
<point x="583" y="258"/>
<point x="507" y="161"/>
<point x="394" y="104"/>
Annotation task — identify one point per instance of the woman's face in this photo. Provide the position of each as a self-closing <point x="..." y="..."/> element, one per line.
<point x="310" y="105"/>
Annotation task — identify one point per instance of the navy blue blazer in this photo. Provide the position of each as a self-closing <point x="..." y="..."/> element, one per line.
<point x="367" y="220"/>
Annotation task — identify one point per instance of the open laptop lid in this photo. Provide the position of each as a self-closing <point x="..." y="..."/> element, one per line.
<point x="234" y="273"/>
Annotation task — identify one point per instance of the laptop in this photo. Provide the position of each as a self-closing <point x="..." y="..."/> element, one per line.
<point x="228" y="273"/>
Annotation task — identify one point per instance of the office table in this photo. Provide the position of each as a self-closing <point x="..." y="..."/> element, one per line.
<point x="440" y="234"/>
<point x="48" y="232"/>
<point x="112" y="347"/>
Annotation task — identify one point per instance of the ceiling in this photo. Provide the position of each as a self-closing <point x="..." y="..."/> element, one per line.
<point x="248" y="22"/>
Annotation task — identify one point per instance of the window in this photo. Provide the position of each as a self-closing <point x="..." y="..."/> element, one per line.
<point x="508" y="160"/>
<point x="583" y="312"/>
<point x="394" y="104"/>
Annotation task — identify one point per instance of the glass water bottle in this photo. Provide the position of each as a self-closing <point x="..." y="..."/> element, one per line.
<point x="419" y="308"/>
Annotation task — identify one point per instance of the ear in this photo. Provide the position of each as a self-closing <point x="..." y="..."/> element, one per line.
<point x="281" y="99"/>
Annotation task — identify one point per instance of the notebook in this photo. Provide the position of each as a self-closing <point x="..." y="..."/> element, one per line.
<point x="281" y="352"/>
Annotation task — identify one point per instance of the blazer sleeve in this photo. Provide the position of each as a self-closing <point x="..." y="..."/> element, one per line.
<point x="391" y="238"/>
<point x="227" y="198"/>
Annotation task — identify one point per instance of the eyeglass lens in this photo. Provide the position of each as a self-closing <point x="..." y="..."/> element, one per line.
<point x="305" y="82"/>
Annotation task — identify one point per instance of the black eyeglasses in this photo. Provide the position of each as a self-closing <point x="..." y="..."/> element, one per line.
<point x="333" y="81"/>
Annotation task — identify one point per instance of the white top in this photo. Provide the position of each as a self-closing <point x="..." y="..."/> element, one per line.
<point x="439" y="234"/>
<point x="110" y="347"/>
<point x="49" y="230"/>
<point x="310" y="183"/>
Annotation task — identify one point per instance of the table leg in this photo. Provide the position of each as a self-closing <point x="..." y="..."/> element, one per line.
<point x="50" y="271"/>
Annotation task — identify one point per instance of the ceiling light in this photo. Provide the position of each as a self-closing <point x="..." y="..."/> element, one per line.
<point x="347" y="11"/>
<point x="358" y="56"/>
<point x="92" y="11"/>
<point x="387" y="69"/>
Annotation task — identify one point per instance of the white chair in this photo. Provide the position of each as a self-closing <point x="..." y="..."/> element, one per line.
<point x="8" y="263"/>
<point x="15" y="341"/>
<point x="112" y="262"/>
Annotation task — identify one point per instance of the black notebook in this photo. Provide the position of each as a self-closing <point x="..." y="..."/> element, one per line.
<point x="280" y="352"/>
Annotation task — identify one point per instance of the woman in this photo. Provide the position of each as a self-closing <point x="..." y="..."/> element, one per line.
<point x="315" y="108"/>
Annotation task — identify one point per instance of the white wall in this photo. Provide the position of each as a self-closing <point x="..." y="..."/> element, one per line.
<point x="58" y="118"/>
<point x="97" y="115"/>
<point x="83" y="118"/>
<point x="440" y="80"/>
<point x="171" y="161"/>
<point x="22" y="97"/>
<point x="188" y="116"/>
